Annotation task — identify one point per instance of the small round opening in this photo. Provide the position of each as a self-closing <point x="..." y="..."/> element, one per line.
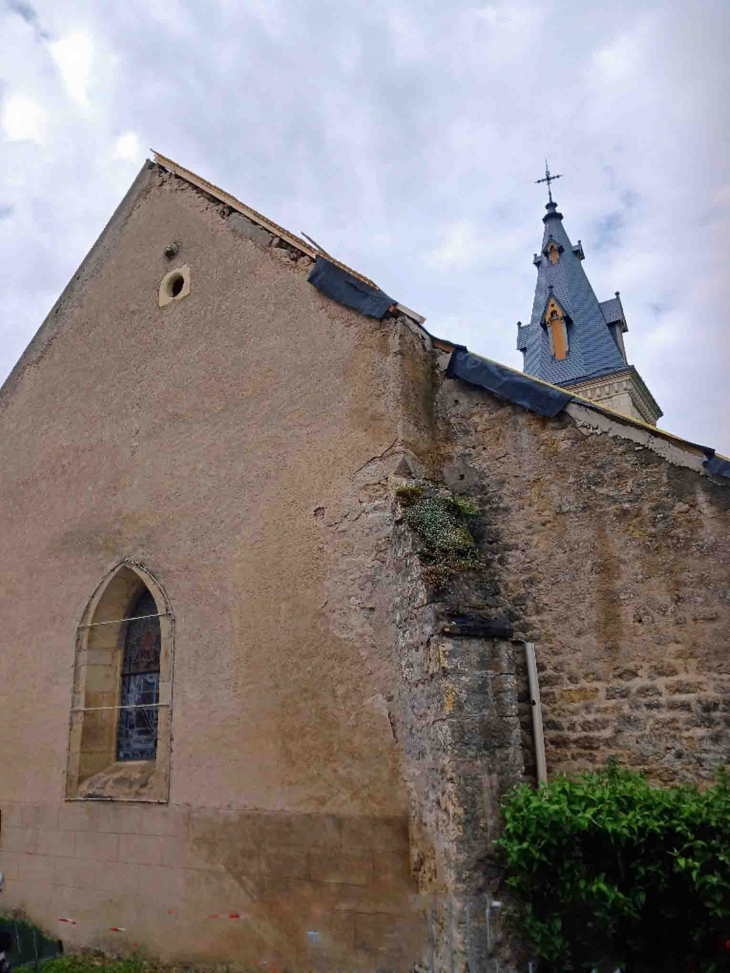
<point x="175" y="285"/>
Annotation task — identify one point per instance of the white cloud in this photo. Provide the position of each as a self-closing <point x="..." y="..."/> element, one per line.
<point x="461" y="247"/>
<point x="23" y="119"/>
<point x="465" y="244"/>
<point x="619" y="60"/>
<point x="74" y="58"/>
<point x="128" y="147"/>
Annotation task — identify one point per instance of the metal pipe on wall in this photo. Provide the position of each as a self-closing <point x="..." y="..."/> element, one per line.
<point x="536" y="707"/>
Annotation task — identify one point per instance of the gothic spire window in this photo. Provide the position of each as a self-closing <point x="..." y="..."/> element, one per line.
<point x="555" y="322"/>
<point x="140" y="682"/>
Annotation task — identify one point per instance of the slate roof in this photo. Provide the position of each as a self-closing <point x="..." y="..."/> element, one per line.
<point x="612" y="310"/>
<point x="592" y="350"/>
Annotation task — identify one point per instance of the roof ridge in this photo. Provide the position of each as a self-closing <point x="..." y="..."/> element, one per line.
<point x="226" y="197"/>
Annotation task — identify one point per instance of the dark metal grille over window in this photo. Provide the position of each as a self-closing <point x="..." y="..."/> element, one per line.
<point x="137" y="739"/>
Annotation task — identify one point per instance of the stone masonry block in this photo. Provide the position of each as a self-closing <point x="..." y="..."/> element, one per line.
<point x="59" y="843"/>
<point x="167" y="885"/>
<point x="393" y="869"/>
<point x="284" y="861"/>
<point x="195" y="852"/>
<point x="617" y="692"/>
<point x="292" y="830"/>
<point x="21" y="840"/>
<point x="29" y="865"/>
<point x="367" y="898"/>
<point x="341" y="869"/>
<point x="43" y="816"/>
<point x="212" y="892"/>
<point x="43" y="868"/>
<point x="685" y="688"/>
<point x="96" y="846"/>
<point x="9" y="864"/>
<point x="120" y="818"/>
<point x="74" y="872"/>
<point x="172" y="852"/>
<point x="168" y="821"/>
<point x="142" y="849"/>
<point x="78" y="816"/>
<point x="16" y="815"/>
<point x="249" y="229"/>
<point x="389" y="833"/>
<point x="121" y="877"/>
<point x="387" y="935"/>
<point x="582" y="695"/>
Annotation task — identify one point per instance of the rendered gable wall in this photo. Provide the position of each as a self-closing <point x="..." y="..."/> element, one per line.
<point x="226" y="442"/>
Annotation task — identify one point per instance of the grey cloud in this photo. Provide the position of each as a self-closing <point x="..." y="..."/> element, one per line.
<point x="6" y="210"/>
<point x="29" y="15"/>
<point x="24" y="10"/>
<point x="378" y="128"/>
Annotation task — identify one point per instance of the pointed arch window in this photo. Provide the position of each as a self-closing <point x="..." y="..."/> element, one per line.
<point x="119" y="747"/>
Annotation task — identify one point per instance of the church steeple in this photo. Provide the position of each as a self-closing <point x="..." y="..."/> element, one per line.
<point x="572" y="340"/>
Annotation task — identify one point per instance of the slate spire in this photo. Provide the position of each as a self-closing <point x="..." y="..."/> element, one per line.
<point x="573" y="340"/>
<point x="568" y="338"/>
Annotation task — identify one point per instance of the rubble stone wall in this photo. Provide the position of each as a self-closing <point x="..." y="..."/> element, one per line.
<point x="615" y="561"/>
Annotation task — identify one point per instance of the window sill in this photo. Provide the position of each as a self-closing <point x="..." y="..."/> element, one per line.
<point x="126" y="780"/>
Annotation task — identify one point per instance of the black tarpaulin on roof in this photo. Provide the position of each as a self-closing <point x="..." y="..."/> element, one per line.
<point x="346" y="289"/>
<point x="521" y="389"/>
<point x="716" y="464"/>
<point x="533" y="395"/>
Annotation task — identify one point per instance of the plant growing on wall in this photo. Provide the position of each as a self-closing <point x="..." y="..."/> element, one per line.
<point x="440" y="521"/>
<point x="610" y="871"/>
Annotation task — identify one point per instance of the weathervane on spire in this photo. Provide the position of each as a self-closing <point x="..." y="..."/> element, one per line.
<point x="549" y="177"/>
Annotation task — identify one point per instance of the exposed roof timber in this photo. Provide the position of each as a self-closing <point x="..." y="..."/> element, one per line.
<point x="309" y="248"/>
<point x="236" y="204"/>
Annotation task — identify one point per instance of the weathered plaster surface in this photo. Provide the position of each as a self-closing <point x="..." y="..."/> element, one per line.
<point x="202" y="440"/>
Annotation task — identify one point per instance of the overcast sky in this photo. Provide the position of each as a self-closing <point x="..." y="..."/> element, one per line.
<point x="405" y="136"/>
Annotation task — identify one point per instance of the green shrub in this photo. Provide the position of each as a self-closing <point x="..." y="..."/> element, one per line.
<point x="609" y="868"/>
<point x="89" y="963"/>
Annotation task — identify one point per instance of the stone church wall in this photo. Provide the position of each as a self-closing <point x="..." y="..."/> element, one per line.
<point x="615" y="561"/>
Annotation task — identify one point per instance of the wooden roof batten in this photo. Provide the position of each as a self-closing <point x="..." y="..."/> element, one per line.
<point x="308" y="248"/>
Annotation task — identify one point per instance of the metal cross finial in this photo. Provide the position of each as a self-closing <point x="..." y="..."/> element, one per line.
<point x="549" y="177"/>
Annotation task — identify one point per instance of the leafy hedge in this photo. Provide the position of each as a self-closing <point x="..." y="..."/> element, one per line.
<point x="610" y="870"/>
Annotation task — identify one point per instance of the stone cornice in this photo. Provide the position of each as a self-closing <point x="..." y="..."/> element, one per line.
<point x="629" y="382"/>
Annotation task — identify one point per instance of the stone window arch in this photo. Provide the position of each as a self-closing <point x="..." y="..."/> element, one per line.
<point x="119" y="745"/>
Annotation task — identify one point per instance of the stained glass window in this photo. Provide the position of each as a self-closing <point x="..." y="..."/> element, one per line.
<point x="137" y="737"/>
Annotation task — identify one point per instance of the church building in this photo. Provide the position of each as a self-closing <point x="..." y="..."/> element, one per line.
<point x="294" y="591"/>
